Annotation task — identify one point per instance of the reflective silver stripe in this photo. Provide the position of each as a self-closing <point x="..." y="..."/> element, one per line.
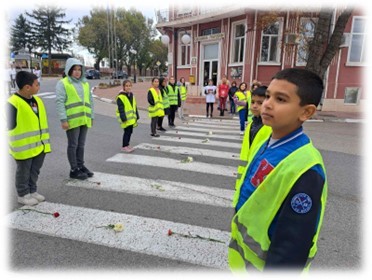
<point x="235" y="246"/>
<point x="249" y="241"/>
<point x="239" y="175"/>
<point x="77" y="104"/>
<point x="154" y="110"/>
<point x="77" y="115"/>
<point x="26" y="147"/>
<point x="28" y="134"/>
<point x="243" y="163"/>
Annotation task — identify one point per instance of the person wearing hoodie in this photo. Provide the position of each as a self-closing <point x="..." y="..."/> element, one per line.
<point x="75" y="109"/>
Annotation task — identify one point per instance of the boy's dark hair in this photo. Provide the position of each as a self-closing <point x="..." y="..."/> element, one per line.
<point x="24" y="78"/>
<point x="260" y="91"/>
<point x="309" y="85"/>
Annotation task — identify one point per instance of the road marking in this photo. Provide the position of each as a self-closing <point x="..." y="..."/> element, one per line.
<point x="45" y="93"/>
<point x="143" y="235"/>
<point x="157" y="188"/>
<point x="207" y="135"/>
<point x="187" y="151"/>
<point x="206" y="141"/>
<point x="180" y="127"/>
<point x="227" y="128"/>
<point x="194" y="166"/>
<point x="215" y="121"/>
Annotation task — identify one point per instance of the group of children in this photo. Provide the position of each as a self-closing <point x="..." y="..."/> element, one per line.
<point x="281" y="188"/>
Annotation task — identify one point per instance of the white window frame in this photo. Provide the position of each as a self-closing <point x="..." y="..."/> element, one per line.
<point x="364" y="43"/>
<point x="187" y="50"/>
<point x="233" y="43"/>
<point x="358" y="93"/>
<point x="278" y="45"/>
<point x="304" y="39"/>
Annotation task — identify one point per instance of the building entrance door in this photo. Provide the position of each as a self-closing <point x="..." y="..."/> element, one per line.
<point x="210" y="63"/>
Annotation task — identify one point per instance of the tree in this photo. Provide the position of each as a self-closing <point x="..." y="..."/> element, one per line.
<point x="324" y="46"/>
<point x="48" y="31"/>
<point x="20" y="33"/>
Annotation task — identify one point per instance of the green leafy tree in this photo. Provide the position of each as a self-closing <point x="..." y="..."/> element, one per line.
<point x="48" y="31"/>
<point x="20" y="33"/>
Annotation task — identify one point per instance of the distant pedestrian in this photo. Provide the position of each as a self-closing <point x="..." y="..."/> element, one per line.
<point x="155" y="101"/>
<point x="164" y="94"/>
<point x="75" y="109"/>
<point x="210" y="97"/>
<point x="232" y="91"/>
<point x="255" y="84"/>
<point x="241" y="100"/>
<point x="37" y="72"/>
<point x="174" y="100"/>
<point x="127" y="114"/>
<point x="183" y="92"/>
<point x="13" y="73"/>
<point x="29" y="139"/>
<point x="222" y="92"/>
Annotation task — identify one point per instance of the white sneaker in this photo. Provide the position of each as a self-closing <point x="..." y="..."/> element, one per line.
<point x="38" y="196"/>
<point x="27" y="200"/>
<point x="241" y="133"/>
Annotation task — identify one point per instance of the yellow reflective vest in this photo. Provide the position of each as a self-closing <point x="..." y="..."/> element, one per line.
<point x="30" y="137"/>
<point x="262" y="135"/>
<point x="165" y="98"/>
<point x="157" y="110"/>
<point x="79" y="112"/>
<point x="250" y="242"/>
<point x="173" y="95"/>
<point x="183" y="92"/>
<point x="241" y="97"/>
<point x="130" y="111"/>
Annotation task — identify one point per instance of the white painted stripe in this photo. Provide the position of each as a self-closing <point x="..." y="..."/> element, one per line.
<point x="175" y="164"/>
<point x="157" y="188"/>
<point x="223" y="131"/>
<point x="205" y="141"/>
<point x="203" y="117"/>
<point x="143" y="235"/>
<point x="222" y="121"/>
<point x="188" y="151"/>
<point x="216" y="125"/>
<point x="45" y="93"/>
<point x="219" y="136"/>
<point x="50" y="96"/>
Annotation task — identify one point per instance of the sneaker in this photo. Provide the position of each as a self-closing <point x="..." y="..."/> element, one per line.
<point x="241" y="133"/>
<point x="87" y="171"/>
<point x="155" y="135"/>
<point x="162" y="129"/>
<point x="127" y="149"/>
<point x="78" y="174"/>
<point x="38" y="196"/>
<point x="27" y="200"/>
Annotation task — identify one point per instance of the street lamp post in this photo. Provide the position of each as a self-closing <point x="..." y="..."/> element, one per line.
<point x="135" y="58"/>
<point x="30" y="51"/>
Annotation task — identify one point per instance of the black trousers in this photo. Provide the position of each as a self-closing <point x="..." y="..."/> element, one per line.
<point x="209" y="104"/>
<point x="154" y="122"/>
<point x="172" y="114"/>
<point x="127" y="134"/>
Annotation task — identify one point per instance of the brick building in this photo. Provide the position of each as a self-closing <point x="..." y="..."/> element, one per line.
<point x="227" y="41"/>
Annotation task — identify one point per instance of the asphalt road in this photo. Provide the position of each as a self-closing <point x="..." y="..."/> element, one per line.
<point x="341" y="241"/>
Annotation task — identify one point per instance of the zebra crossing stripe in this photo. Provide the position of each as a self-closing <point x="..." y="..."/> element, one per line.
<point x="157" y="188"/>
<point x="201" y="134"/>
<point x="193" y="128"/>
<point x="227" y="128"/>
<point x="194" y="166"/>
<point x="143" y="235"/>
<point x="205" y="141"/>
<point x="45" y="93"/>
<point x="188" y="151"/>
<point x="215" y="121"/>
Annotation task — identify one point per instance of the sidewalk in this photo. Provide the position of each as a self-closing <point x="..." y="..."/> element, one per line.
<point x="195" y="105"/>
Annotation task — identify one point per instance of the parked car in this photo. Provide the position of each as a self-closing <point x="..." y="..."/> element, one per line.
<point x="92" y="74"/>
<point x="119" y="75"/>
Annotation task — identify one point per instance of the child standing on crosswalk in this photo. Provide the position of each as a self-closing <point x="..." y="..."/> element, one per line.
<point x="28" y="136"/>
<point x="127" y="114"/>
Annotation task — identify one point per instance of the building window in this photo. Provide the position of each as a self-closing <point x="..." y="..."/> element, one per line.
<point x="306" y="35"/>
<point x="270" y="48"/>
<point x="351" y="95"/>
<point x="184" y="52"/>
<point x="238" y="43"/>
<point x="357" y="50"/>
<point x="210" y="31"/>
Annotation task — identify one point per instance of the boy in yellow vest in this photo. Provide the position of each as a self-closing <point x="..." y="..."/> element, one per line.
<point x="256" y="131"/>
<point x="28" y="136"/>
<point x="281" y="197"/>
